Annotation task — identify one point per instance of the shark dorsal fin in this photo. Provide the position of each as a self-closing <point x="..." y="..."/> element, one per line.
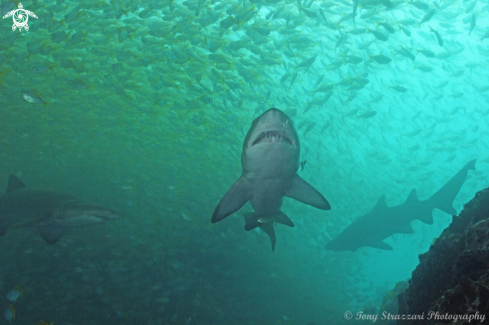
<point x="14" y="184"/>
<point x="412" y="197"/>
<point x="381" y="204"/>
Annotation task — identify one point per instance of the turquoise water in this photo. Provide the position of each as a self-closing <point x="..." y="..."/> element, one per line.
<point x="143" y="107"/>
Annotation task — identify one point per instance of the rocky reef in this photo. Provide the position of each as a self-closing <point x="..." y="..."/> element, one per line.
<point x="451" y="283"/>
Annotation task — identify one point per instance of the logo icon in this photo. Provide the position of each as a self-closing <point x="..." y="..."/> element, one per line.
<point x="20" y="17"/>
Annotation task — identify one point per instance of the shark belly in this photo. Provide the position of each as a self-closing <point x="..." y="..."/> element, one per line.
<point x="270" y="161"/>
<point x="75" y="221"/>
<point x="268" y="196"/>
<point x="269" y="168"/>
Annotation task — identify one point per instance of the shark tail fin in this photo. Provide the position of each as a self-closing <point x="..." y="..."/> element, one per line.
<point x="269" y="228"/>
<point x="267" y="224"/>
<point x="445" y="196"/>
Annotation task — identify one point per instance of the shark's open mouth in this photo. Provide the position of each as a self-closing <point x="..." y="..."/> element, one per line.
<point x="272" y="136"/>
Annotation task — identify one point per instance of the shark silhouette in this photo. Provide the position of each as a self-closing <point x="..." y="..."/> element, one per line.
<point x="383" y="221"/>
<point x="50" y="212"/>
<point x="270" y="160"/>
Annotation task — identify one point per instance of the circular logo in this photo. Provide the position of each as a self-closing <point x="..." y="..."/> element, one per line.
<point x="20" y="18"/>
<point x="348" y="315"/>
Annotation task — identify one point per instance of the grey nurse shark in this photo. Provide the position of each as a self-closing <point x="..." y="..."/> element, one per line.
<point x="270" y="160"/>
<point x="50" y="212"/>
<point x="383" y="221"/>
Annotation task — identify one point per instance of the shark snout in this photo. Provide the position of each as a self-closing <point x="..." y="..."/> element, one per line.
<point x="273" y="111"/>
<point x="273" y="126"/>
<point x="274" y="117"/>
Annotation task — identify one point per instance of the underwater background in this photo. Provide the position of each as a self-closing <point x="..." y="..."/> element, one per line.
<point x="142" y="106"/>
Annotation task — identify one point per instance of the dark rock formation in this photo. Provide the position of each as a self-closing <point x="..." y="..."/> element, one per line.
<point x="452" y="278"/>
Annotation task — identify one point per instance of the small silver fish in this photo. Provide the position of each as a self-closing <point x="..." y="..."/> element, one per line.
<point x="77" y="84"/>
<point x="40" y="68"/>
<point x="368" y="114"/>
<point x="31" y="97"/>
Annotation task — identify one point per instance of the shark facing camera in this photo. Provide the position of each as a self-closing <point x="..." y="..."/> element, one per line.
<point x="269" y="161"/>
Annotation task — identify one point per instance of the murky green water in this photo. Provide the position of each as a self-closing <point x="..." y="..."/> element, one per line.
<point x="143" y="107"/>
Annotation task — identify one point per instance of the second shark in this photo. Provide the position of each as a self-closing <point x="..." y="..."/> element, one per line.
<point x="383" y="221"/>
<point x="50" y="212"/>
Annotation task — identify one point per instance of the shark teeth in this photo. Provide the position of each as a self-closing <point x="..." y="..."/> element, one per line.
<point x="272" y="136"/>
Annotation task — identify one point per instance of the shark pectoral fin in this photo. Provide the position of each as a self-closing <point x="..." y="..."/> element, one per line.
<point x="3" y="230"/>
<point x="303" y="192"/>
<point x="380" y="245"/>
<point x="269" y="228"/>
<point x="283" y="219"/>
<point x="233" y="200"/>
<point x="14" y="184"/>
<point x="51" y="234"/>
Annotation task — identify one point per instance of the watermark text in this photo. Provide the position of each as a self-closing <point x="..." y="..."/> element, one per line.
<point x="428" y="316"/>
